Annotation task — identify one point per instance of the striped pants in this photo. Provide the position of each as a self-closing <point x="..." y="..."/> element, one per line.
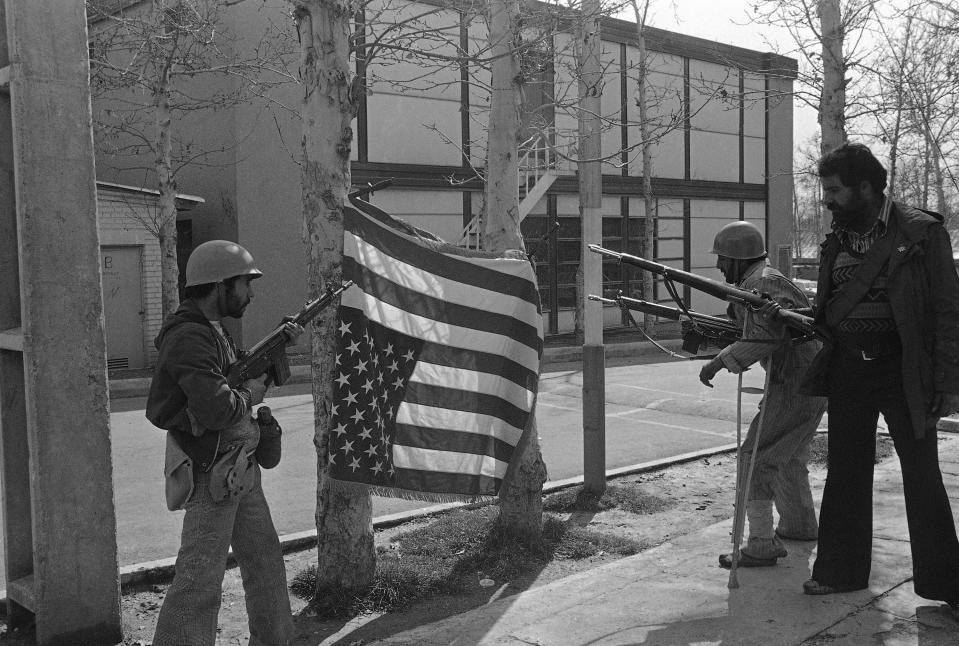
<point x="780" y="473"/>
<point x="189" y="613"/>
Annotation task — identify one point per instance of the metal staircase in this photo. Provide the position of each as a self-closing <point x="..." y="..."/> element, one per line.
<point x="537" y="172"/>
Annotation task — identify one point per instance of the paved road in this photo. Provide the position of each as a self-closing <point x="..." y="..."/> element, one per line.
<point x="653" y="410"/>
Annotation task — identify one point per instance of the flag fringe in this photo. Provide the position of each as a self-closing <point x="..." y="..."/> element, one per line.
<point x="345" y="486"/>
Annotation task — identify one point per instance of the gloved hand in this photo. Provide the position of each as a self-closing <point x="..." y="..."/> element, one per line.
<point x="256" y="388"/>
<point x="710" y="369"/>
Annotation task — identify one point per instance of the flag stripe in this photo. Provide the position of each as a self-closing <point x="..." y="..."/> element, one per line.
<point x="447" y="462"/>
<point x="489" y="298"/>
<point x="480" y="382"/>
<point x="452" y="483"/>
<point x="399" y="245"/>
<point x="454" y="441"/>
<point x="427" y="329"/>
<point x="454" y="420"/>
<point x="461" y="400"/>
<point x="448" y="356"/>
<point x="439" y="310"/>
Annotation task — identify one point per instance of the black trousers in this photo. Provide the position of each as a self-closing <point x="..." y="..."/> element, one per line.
<point x="859" y="392"/>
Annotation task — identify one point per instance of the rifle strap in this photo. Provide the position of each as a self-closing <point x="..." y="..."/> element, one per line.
<point x="846" y="298"/>
<point x="639" y="327"/>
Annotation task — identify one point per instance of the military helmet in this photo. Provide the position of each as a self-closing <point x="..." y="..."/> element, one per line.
<point x="217" y="260"/>
<point x="739" y="240"/>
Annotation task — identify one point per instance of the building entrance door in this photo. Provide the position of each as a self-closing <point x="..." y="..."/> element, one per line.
<point x="123" y="306"/>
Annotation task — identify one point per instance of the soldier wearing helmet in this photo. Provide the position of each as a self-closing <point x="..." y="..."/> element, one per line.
<point x="214" y="450"/>
<point x="789" y="419"/>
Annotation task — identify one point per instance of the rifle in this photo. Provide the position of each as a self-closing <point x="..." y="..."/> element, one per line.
<point x="698" y="329"/>
<point x="369" y="189"/>
<point x="724" y="291"/>
<point x="269" y="355"/>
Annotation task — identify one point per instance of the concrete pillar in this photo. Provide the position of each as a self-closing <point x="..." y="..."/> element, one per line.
<point x="53" y="378"/>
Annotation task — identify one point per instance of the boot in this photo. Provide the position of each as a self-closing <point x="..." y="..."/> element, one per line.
<point x="763" y="548"/>
<point x="759" y="552"/>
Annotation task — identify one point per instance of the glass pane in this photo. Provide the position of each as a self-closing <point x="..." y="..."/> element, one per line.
<point x="612" y="227"/>
<point x="533" y="226"/>
<point x="635" y="247"/>
<point x="569" y="228"/>
<point x="542" y="275"/>
<point x="544" y="299"/>
<point x="612" y="272"/>
<point x="566" y="296"/>
<point x="566" y="275"/>
<point x="613" y="244"/>
<point x="568" y="251"/>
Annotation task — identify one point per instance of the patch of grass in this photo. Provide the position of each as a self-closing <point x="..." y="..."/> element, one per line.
<point x="625" y="498"/>
<point x="819" y="449"/>
<point x="575" y="542"/>
<point x="451" y="554"/>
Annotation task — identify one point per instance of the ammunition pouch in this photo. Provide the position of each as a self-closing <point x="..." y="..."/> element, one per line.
<point x="232" y="474"/>
<point x="178" y="474"/>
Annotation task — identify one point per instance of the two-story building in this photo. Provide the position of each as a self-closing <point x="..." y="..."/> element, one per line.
<point x="725" y="155"/>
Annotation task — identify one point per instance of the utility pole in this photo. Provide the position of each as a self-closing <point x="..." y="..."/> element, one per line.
<point x="591" y="201"/>
<point x="59" y="525"/>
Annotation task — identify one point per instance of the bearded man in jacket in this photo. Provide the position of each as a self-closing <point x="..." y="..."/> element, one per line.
<point x="888" y="301"/>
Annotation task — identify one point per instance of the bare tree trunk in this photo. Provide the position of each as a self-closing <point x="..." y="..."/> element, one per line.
<point x="166" y="218"/>
<point x="502" y="225"/>
<point x="344" y="521"/>
<point x="938" y="180"/>
<point x="926" y="163"/>
<point x="832" y="103"/>
<point x="649" y="202"/>
<point x="900" y="105"/>
<point x="521" y="497"/>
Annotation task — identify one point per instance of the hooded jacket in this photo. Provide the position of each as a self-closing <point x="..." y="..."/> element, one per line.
<point x="923" y="289"/>
<point x="190" y="373"/>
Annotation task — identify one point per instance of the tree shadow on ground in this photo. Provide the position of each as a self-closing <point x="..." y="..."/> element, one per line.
<point x="495" y="572"/>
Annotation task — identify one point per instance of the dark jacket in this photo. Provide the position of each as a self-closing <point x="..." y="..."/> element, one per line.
<point x="191" y="373"/>
<point x="923" y="291"/>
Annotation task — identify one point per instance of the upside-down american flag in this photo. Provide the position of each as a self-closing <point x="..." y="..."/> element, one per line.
<point x="437" y="363"/>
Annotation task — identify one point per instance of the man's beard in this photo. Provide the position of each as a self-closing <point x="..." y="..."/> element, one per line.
<point x="234" y="306"/>
<point x="850" y="214"/>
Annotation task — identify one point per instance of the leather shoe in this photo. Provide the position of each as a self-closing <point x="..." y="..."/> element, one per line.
<point x="745" y="560"/>
<point x="814" y="587"/>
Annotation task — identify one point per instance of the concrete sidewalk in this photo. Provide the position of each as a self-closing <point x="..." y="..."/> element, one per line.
<point x="677" y="594"/>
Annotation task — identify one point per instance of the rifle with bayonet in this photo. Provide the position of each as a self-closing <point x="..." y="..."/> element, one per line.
<point x="794" y="320"/>
<point x="269" y="355"/>
<point x="699" y="330"/>
<point x="369" y="189"/>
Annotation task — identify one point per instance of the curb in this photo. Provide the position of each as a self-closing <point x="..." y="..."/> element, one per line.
<point x="161" y="571"/>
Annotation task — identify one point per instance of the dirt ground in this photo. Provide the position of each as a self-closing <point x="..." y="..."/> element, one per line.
<point x="696" y="495"/>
